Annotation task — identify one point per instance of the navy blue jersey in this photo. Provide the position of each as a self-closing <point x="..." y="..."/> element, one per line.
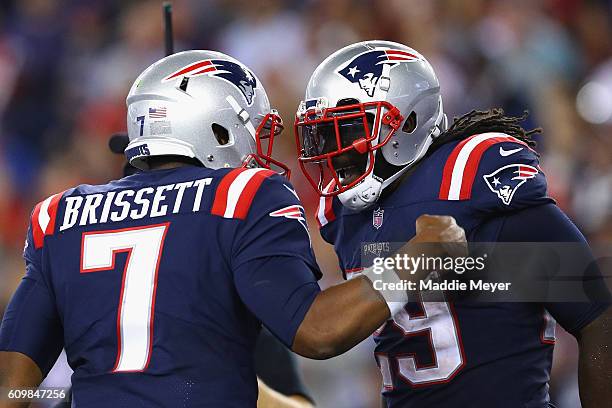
<point x="156" y="285"/>
<point x="461" y="354"/>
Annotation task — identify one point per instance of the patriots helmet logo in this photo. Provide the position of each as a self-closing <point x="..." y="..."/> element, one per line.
<point x="367" y="68"/>
<point x="506" y="180"/>
<point x="234" y="73"/>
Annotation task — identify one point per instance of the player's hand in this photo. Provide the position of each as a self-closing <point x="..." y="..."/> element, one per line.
<point x="268" y="398"/>
<point x="442" y="230"/>
<point x="436" y="236"/>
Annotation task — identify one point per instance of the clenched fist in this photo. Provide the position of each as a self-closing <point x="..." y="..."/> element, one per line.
<point x="436" y="236"/>
<point x="443" y="230"/>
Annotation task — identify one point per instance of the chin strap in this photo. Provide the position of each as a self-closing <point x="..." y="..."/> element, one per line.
<point x="363" y="195"/>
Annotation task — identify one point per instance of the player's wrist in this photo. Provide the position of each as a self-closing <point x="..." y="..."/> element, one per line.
<point x="395" y="299"/>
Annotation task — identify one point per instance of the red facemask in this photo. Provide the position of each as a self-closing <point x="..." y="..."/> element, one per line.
<point x="270" y="126"/>
<point x="334" y="138"/>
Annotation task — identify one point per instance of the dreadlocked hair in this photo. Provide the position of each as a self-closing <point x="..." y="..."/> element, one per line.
<point x="492" y="120"/>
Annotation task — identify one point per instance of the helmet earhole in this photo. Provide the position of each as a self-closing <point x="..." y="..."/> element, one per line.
<point x="411" y="123"/>
<point x="221" y="134"/>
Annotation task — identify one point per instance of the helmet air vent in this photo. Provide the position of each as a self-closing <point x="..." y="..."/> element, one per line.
<point x="411" y="123"/>
<point x="221" y="134"/>
<point x="184" y="83"/>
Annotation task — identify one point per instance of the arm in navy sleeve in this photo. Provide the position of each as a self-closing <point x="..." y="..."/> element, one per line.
<point x="279" y="291"/>
<point x="590" y="323"/>
<point x="547" y="223"/>
<point x="510" y="190"/>
<point x="275" y="274"/>
<point x="275" y="271"/>
<point x="31" y="325"/>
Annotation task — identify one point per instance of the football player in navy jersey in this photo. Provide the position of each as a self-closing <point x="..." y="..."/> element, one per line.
<point x="373" y="141"/>
<point x="157" y="284"/>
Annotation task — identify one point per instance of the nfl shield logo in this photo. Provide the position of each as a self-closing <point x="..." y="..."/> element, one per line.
<point x="377" y="218"/>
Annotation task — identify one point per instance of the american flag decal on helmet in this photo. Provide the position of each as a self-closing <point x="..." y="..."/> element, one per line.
<point x="160" y="112"/>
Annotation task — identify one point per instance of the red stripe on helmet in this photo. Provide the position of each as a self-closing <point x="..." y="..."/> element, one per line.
<point x="188" y="69"/>
<point x="400" y="52"/>
<point x="205" y="70"/>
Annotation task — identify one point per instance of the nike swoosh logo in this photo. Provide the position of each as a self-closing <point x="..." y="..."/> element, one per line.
<point x="509" y="152"/>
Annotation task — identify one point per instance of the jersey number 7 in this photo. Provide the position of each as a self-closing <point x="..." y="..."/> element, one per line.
<point x="135" y="313"/>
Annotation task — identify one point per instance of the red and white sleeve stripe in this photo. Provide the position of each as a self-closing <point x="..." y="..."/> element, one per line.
<point x="462" y="164"/>
<point x="43" y="218"/>
<point x="237" y="190"/>
<point x="325" y="211"/>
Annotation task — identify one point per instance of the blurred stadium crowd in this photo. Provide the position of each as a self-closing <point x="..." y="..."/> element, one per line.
<point x="66" y="67"/>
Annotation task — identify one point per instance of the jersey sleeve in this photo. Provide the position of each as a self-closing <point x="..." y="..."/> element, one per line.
<point x="275" y="225"/>
<point x="494" y="172"/>
<point x="31" y="324"/>
<point x="548" y="223"/>
<point x="274" y="268"/>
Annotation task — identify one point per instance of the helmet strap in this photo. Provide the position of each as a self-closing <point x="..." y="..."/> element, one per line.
<point x="242" y="114"/>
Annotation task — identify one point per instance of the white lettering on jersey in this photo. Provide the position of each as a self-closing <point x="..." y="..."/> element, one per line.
<point x="116" y="206"/>
<point x="92" y="202"/>
<point x="71" y="215"/>
<point x="179" y="195"/>
<point x="107" y="205"/>
<point x="198" y="198"/>
<point x="143" y="202"/>
<point x="156" y="210"/>
<point x="115" y="216"/>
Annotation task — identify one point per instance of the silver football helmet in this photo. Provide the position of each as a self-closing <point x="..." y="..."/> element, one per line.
<point x="203" y="105"/>
<point x="365" y="100"/>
